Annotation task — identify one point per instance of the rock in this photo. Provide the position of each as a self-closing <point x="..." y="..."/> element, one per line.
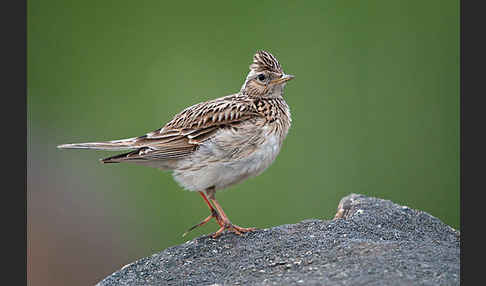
<point x="369" y="242"/>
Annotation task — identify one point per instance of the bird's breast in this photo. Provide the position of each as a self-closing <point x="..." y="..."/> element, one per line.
<point x="221" y="164"/>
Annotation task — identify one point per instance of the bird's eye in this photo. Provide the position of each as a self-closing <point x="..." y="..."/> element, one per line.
<point x="261" y="77"/>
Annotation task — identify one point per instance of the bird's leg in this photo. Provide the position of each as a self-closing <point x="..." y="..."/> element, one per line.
<point x="214" y="214"/>
<point x="225" y="222"/>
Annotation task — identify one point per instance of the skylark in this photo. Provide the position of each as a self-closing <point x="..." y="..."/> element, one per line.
<point x="218" y="143"/>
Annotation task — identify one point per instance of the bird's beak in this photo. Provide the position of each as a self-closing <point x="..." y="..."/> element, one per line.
<point x="284" y="78"/>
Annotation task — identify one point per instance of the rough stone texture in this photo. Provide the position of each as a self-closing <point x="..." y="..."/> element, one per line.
<point x="370" y="242"/>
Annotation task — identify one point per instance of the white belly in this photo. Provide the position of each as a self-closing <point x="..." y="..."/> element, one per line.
<point x="224" y="173"/>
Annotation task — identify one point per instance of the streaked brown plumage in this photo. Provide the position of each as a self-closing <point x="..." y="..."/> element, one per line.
<point x="218" y="143"/>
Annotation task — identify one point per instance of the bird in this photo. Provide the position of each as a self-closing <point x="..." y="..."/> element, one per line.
<point x="218" y="143"/>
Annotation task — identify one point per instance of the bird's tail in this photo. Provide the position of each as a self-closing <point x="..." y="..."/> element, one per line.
<point x="116" y="145"/>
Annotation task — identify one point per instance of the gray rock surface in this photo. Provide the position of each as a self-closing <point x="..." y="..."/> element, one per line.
<point x="370" y="242"/>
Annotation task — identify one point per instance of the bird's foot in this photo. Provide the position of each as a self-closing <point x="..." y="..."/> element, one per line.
<point x="233" y="228"/>
<point x="214" y="214"/>
<point x="224" y="225"/>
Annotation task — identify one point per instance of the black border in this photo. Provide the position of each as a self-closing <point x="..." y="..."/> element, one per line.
<point x="472" y="142"/>
<point x="13" y="20"/>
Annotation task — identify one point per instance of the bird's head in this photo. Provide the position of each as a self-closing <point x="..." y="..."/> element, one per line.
<point x="266" y="77"/>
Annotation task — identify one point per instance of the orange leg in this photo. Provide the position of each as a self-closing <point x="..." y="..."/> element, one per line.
<point x="214" y="214"/>
<point x="207" y="201"/>
<point x="220" y="217"/>
<point x="225" y="222"/>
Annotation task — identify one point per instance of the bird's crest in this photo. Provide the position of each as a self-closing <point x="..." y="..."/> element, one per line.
<point x="263" y="60"/>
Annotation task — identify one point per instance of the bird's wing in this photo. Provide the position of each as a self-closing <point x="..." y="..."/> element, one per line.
<point x="188" y="129"/>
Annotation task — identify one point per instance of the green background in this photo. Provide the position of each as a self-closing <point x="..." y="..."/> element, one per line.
<point x="375" y="109"/>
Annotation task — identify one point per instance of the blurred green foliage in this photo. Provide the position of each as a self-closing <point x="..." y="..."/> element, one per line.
<point x="375" y="102"/>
